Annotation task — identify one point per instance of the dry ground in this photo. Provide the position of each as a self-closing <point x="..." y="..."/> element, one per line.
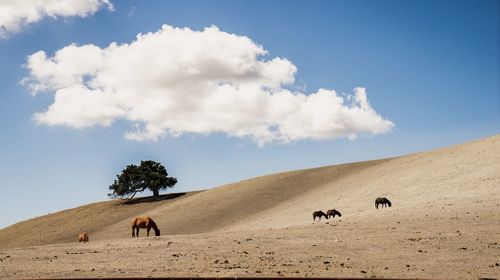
<point x="445" y="223"/>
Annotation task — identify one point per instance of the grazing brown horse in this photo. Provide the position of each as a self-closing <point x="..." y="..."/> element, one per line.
<point x="382" y="201"/>
<point x="83" y="237"/>
<point x="144" y="222"/>
<point x="319" y="214"/>
<point x="333" y="212"/>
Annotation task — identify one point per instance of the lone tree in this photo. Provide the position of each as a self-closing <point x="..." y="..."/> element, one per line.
<point x="133" y="179"/>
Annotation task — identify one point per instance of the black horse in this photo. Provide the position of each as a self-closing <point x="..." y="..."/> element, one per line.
<point x="332" y="213"/>
<point x="382" y="201"/>
<point x="319" y="214"/>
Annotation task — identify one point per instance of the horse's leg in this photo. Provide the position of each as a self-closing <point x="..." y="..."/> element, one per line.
<point x="133" y="233"/>
<point x="149" y="228"/>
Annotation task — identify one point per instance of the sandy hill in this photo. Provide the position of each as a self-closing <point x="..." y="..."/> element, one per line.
<point x="464" y="176"/>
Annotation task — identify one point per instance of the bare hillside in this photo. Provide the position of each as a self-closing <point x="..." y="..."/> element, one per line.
<point x="463" y="175"/>
<point x="63" y="226"/>
<point x="444" y="223"/>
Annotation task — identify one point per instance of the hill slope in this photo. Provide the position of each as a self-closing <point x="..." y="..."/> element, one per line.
<point x="463" y="176"/>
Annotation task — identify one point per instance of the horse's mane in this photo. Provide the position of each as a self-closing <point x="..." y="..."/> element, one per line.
<point x="154" y="226"/>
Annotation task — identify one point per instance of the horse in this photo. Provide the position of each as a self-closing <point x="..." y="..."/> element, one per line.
<point x="333" y="212"/>
<point x="144" y="222"/>
<point x="319" y="214"/>
<point x="383" y="201"/>
<point x="83" y="237"/>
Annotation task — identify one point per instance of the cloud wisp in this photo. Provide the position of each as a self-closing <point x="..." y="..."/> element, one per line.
<point x="15" y="15"/>
<point x="177" y="80"/>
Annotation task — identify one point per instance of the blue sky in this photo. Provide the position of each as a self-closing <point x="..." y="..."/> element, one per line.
<point x="429" y="67"/>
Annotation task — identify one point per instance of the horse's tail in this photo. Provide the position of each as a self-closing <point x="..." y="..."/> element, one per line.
<point x="133" y="226"/>
<point x="134" y="221"/>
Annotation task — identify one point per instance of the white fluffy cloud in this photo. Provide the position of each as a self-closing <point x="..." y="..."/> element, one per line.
<point x="178" y="80"/>
<point x="16" y="14"/>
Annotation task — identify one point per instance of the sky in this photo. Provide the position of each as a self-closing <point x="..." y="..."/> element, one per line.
<point x="222" y="91"/>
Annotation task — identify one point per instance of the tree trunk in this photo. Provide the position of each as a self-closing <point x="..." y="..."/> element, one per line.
<point x="130" y="198"/>
<point x="156" y="193"/>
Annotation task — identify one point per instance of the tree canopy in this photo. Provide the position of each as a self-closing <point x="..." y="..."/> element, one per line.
<point x="148" y="175"/>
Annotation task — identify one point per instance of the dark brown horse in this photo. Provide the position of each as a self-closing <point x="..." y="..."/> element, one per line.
<point x="319" y="214"/>
<point x="144" y="222"/>
<point x="332" y="213"/>
<point x="382" y="201"/>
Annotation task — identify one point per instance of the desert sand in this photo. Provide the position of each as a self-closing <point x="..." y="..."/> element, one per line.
<point x="444" y="223"/>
